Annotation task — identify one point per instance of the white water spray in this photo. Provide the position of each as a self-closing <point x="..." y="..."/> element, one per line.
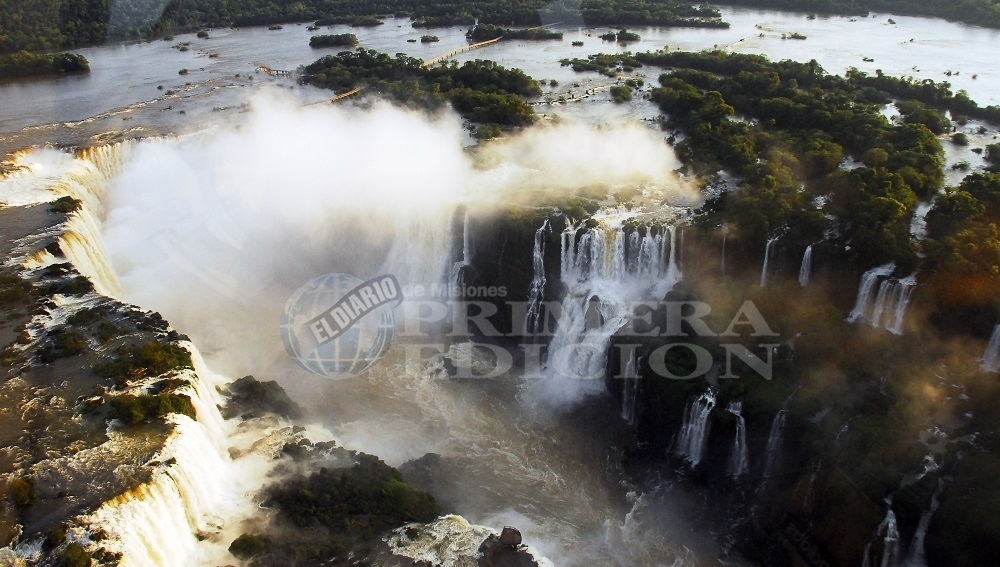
<point x="767" y="259"/>
<point x="605" y="270"/>
<point x="806" y="266"/>
<point x="739" y="460"/>
<point x="630" y="390"/>
<point x="991" y="357"/>
<point x="536" y="292"/>
<point x="458" y="268"/>
<point x="722" y="262"/>
<point x="866" y="291"/>
<point x="694" y="432"/>
<point x="774" y="444"/>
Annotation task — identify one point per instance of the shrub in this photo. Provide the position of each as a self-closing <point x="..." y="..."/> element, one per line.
<point x="77" y="285"/>
<point x="203" y="34"/>
<point x="65" y="343"/>
<point x="960" y="139"/>
<point x="65" y="205"/>
<point x="251" y="395"/>
<point x="487" y="132"/>
<point x="993" y="153"/>
<point x="429" y="39"/>
<point x="13" y="290"/>
<point x="621" y="93"/>
<point x="625" y="36"/>
<point x="366" y="22"/>
<point x="20" y="489"/>
<point x="133" y="410"/>
<point x="149" y="359"/>
<point x="73" y="555"/>
<point x="364" y="499"/>
<point x="334" y="40"/>
<point x="247" y="545"/>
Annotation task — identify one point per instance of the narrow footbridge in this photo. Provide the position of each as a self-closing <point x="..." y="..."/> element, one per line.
<point x="434" y="60"/>
<point x="336" y="98"/>
<point x="273" y="72"/>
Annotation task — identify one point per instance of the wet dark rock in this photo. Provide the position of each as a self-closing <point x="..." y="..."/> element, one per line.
<point x="505" y="550"/>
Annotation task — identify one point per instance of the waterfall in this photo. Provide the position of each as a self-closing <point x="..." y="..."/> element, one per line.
<point x="738" y="461"/>
<point x="80" y="234"/>
<point x="58" y="174"/>
<point x="694" y="432"/>
<point x="196" y="491"/>
<point x="680" y="255"/>
<point x="809" y="487"/>
<point x="774" y="444"/>
<point x="458" y="268"/>
<point x="673" y="274"/>
<point x="536" y="291"/>
<point x="630" y="391"/>
<point x="806" y="267"/>
<point x="157" y="523"/>
<point x="904" y="290"/>
<point x="866" y="291"/>
<point x="918" y="552"/>
<point x="991" y="358"/>
<point x="890" y="304"/>
<point x="889" y="532"/>
<point x="605" y="270"/>
<point x="767" y="259"/>
<point x="722" y="263"/>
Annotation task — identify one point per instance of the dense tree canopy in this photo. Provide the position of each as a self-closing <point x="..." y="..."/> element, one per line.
<point x="978" y="12"/>
<point x="42" y="25"/>
<point x="481" y="91"/>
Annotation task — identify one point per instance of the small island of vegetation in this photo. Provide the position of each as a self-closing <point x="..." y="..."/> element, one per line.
<point x="481" y="91"/>
<point x="337" y="40"/>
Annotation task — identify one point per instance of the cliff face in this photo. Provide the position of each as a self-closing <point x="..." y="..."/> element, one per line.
<point x="120" y="446"/>
<point x="849" y="446"/>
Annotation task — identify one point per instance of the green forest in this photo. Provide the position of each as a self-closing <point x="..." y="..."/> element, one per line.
<point x="481" y="91"/>
<point x="978" y="12"/>
<point x="42" y="26"/>
<point x="785" y="130"/>
<point x="45" y="25"/>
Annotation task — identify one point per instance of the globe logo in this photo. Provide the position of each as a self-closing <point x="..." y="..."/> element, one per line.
<point x="340" y="325"/>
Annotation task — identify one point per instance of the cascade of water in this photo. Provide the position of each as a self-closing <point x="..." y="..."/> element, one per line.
<point x="905" y="291"/>
<point x="991" y="357"/>
<point x="739" y="460"/>
<point x="889" y="532"/>
<point x="630" y="391"/>
<point x="806" y="266"/>
<point x="196" y="490"/>
<point x="673" y="274"/>
<point x="694" y="432"/>
<point x="458" y="268"/>
<point x="536" y="291"/>
<point x="81" y="233"/>
<point x="722" y="263"/>
<point x="866" y="291"/>
<point x="809" y="487"/>
<point x="886" y="290"/>
<point x="774" y="443"/>
<point x="888" y="309"/>
<point x="918" y="552"/>
<point x="680" y="255"/>
<point x="767" y="259"/>
<point x="605" y="270"/>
